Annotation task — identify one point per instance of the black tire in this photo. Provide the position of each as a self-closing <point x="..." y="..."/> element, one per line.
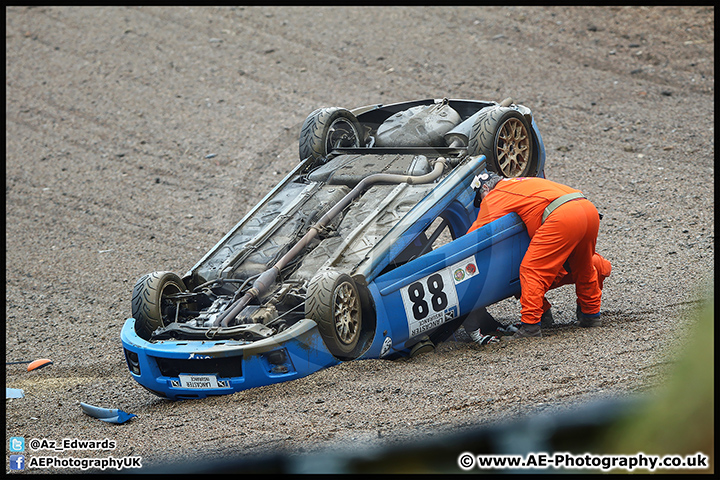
<point x="504" y="136"/>
<point x="328" y="128"/>
<point x="333" y="301"/>
<point x="150" y="308"/>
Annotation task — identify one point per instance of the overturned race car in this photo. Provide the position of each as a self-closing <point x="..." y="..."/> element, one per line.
<point x="359" y="252"/>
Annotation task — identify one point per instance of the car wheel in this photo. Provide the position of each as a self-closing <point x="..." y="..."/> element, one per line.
<point x="326" y="129"/>
<point x="333" y="301"/>
<point x="503" y="135"/>
<point x="151" y="308"/>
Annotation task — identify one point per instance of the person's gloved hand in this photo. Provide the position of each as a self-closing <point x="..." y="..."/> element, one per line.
<point x="509" y="329"/>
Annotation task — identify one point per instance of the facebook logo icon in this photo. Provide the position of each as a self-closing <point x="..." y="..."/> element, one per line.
<point x="17" y="462"/>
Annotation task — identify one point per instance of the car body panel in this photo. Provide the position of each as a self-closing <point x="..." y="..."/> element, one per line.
<point x="251" y="365"/>
<point x="474" y="271"/>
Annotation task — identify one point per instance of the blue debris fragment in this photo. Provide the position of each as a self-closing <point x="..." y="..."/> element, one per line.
<point x="14" y="393"/>
<point x="108" y="415"/>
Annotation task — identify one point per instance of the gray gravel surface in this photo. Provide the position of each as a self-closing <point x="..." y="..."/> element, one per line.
<point x="136" y="137"/>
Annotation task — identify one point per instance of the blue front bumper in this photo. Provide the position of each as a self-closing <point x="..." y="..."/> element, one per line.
<point x="235" y="365"/>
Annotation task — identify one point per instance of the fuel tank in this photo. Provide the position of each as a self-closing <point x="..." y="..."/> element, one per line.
<point x="423" y="125"/>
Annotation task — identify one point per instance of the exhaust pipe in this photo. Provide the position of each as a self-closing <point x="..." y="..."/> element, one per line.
<point x="267" y="278"/>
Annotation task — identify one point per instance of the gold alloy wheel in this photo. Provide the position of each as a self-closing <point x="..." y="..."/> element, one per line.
<point x="347" y="314"/>
<point x="513" y="146"/>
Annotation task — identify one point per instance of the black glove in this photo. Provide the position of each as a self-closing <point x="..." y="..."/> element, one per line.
<point x="478" y="199"/>
<point x="508" y="330"/>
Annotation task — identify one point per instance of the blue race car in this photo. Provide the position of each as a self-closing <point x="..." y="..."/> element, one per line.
<point x="359" y="252"/>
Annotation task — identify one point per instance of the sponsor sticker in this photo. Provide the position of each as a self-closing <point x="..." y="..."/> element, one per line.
<point x="387" y="345"/>
<point x="464" y="270"/>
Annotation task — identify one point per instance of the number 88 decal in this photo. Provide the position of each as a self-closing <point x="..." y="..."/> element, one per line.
<point x="430" y="301"/>
<point x="438" y="298"/>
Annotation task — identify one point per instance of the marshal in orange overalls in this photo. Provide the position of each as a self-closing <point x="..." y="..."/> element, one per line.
<point x="567" y="238"/>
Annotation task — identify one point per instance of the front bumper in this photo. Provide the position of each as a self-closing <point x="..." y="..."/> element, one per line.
<point x="164" y="367"/>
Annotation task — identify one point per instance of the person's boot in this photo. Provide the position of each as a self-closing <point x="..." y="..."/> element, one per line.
<point x="481" y="339"/>
<point x="547" y="319"/>
<point x="528" y="330"/>
<point x="585" y="320"/>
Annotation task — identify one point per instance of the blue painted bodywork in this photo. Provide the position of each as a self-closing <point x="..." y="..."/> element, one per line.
<point x="301" y="345"/>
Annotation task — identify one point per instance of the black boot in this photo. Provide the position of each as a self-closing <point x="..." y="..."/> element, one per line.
<point x="587" y="321"/>
<point x="547" y="319"/>
<point x="528" y="330"/>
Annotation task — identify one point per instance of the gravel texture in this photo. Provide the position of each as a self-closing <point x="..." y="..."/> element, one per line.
<point x="137" y="137"/>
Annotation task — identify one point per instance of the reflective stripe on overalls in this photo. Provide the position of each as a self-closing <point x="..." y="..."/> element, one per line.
<point x="559" y="201"/>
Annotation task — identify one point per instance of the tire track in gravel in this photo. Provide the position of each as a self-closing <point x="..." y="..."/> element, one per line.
<point x="42" y="118"/>
<point x="349" y="50"/>
<point x="255" y="46"/>
<point x="91" y="113"/>
<point x="109" y="132"/>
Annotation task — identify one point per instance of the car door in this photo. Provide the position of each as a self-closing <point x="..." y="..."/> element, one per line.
<point x="449" y="279"/>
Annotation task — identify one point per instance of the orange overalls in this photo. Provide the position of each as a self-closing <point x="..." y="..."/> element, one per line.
<point x="602" y="267"/>
<point x="567" y="237"/>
